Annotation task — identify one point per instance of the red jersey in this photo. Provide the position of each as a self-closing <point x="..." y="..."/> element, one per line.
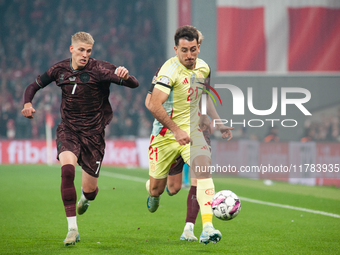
<point x="85" y="107"/>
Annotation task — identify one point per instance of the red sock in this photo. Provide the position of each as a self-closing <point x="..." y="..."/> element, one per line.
<point x="91" y="195"/>
<point x="192" y="206"/>
<point x="68" y="191"/>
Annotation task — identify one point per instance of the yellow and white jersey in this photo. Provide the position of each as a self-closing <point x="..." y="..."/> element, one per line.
<point x="184" y="89"/>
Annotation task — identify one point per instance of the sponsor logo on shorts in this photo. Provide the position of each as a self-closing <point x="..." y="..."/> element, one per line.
<point x="209" y="192"/>
<point x="152" y="167"/>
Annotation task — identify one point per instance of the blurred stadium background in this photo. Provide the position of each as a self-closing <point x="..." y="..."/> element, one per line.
<point x="260" y="44"/>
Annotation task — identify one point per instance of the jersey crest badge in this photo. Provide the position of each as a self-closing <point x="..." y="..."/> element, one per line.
<point x="193" y="77"/>
<point x="84" y="77"/>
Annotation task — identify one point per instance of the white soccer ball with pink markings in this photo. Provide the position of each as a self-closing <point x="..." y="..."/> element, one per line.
<point x="225" y="205"/>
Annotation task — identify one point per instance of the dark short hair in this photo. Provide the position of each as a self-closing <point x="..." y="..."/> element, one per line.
<point x="187" y="32"/>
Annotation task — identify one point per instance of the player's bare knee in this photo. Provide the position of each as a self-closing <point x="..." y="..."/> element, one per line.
<point x="89" y="187"/>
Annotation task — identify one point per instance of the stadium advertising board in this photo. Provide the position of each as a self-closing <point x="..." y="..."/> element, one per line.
<point x="118" y="152"/>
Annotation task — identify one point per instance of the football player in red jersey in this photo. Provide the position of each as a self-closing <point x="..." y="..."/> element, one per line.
<point x="85" y="111"/>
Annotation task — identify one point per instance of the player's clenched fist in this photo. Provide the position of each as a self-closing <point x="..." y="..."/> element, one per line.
<point x="182" y="137"/>
<point x="28" y="111"/>
<point x="122" y="72"/>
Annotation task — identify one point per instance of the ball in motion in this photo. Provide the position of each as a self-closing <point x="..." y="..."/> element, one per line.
<point x="225" y="205"/>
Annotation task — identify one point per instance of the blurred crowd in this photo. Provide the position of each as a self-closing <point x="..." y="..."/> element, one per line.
<point x="37" y="34"/>
<point x="327" y="129"/>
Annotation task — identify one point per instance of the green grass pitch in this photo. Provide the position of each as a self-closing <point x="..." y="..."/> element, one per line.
<point x="32" y="217"/>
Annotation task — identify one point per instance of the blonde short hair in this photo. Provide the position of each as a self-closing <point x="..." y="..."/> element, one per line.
<point x="82" y="37"/>
<point x="200" y="37"/>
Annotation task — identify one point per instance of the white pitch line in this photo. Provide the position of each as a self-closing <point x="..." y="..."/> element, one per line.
<point x="138" y="179"/>
<point x="289" y="207"/>
<point x="122" y="176"/>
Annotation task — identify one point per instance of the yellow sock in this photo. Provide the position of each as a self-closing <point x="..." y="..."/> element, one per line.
<point x="205" y="192"/>
<point x="206" y="218"/>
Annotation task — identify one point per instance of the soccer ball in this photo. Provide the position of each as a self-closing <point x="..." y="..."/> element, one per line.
<point x="225" y="205"/>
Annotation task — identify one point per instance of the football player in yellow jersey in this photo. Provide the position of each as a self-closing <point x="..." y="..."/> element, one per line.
<point x="174" y="179"/>
<point x="174" y="104"/>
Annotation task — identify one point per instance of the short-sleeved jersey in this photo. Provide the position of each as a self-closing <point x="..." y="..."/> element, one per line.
<point x="85" y="107"/>
<point x="184" y="87"/>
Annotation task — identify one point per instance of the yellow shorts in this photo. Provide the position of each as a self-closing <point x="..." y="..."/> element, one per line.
<point x="163" y="151"/>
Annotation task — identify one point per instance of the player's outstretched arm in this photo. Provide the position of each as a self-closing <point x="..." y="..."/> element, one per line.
<point x="28" y="97"/>
<point x="155" y="106"/>
<point x="211" y="110"/>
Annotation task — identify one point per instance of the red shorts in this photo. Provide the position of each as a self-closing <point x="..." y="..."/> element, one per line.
<point x="88" y="149"/>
